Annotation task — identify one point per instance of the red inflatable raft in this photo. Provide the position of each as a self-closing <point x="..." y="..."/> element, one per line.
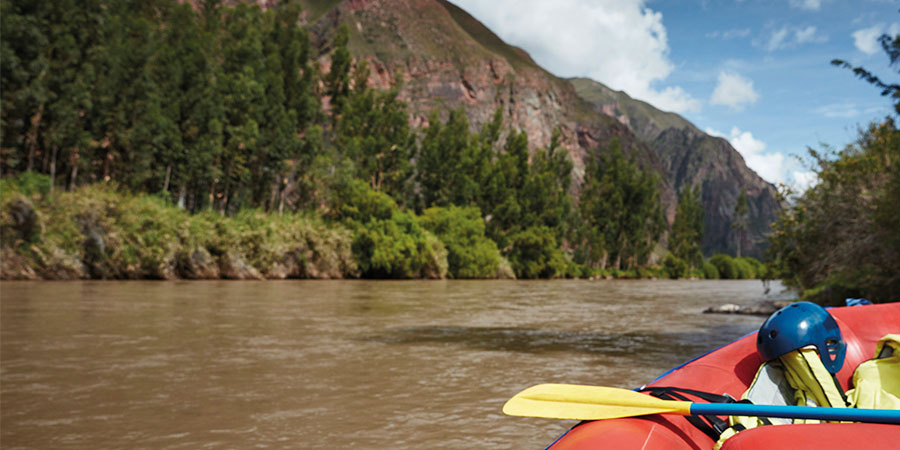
<point x="730" y="370"/>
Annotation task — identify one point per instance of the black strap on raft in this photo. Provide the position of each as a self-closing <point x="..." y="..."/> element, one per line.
<point x="712" y="426"/>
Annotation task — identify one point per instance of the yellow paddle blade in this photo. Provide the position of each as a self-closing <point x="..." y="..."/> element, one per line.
<point x="578" y="402"/>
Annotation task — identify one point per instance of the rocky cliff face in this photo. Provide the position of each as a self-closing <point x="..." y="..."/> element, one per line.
<point x="690" y="158"/>
<point x="447" y="59"/>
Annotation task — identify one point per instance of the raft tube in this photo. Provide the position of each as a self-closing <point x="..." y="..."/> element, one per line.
<point x="730" y="370"/>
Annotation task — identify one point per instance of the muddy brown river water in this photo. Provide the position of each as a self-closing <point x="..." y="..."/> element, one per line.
<point x="332" y="364"/>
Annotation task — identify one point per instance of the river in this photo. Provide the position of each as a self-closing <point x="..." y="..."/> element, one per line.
<point x="332" y="364"/>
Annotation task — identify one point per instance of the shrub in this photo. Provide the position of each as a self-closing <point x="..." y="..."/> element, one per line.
<point x="710" y="272"/>
<point x="745" y="270"/>
<point x="759" y="269"/>
<point x="534" y="254"/>
<point x="470" y="254"/>
<point x="27" y="184"/>
<point x="675" y="266"/>
<point x="387" y="242"/>
<point x="726" y="267"/>
<point x="398" y="248"/>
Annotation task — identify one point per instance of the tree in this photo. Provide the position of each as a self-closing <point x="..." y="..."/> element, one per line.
<point x="448" y="161"/>
<point x="470" y="254"/>
<point x="373" y="132"/>
<point x="840" y="239"/>
<point x="739" y="221"/>
<point x="545" y="196"/>
<point x="620" y="212"/>
<point x="687" y="229"/>
<point x="337" y="82"/>
<point x="891" y="46"/>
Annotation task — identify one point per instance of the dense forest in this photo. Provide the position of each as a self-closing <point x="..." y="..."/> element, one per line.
<point x="223" y="118"/>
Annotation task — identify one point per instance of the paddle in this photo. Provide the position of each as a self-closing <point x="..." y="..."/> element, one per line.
<point x="577" y="402"/>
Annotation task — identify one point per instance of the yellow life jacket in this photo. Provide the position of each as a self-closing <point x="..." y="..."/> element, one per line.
<point x="795" y="378"/>
<point x="877" y="381"/>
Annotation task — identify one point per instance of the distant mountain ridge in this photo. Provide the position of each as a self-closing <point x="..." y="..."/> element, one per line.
<point x="447" y="59"/>
<point x="692" y="157"/>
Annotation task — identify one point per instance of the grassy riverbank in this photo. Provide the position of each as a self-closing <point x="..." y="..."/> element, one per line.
<point x="100" y="232"/>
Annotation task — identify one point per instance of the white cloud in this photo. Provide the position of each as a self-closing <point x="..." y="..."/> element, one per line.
<point x="770" y="166"/>
<point x="809" y="35"/>
<point x="716" y="133"/>
<point x="803" y="180"/>
<point x="773" y="167"/>
<point x="620" y="43"/>
<point x="776" y="39"/>
<point x="733" y="91"/>
<point x="811" y="5"/>
<point x="733" y="33"/>
<point x="839" y="110"/>
<point x="866" y="39"/>
<point x="789" y="37"/>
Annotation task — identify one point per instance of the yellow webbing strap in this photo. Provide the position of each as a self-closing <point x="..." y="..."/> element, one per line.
<point x="813" y="384"/>
<point x="877" y="381"/>
<point x="807" y="376"/>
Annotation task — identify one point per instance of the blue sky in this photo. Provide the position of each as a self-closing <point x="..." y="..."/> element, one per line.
<point x="756" y="72"/>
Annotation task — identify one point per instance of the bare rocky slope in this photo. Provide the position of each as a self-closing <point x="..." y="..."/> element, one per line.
<point x="447" y="59"/>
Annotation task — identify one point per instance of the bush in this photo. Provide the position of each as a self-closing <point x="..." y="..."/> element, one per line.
<point x="574" y="270"/>
<point x="759" y="269"/>
<point x="726" y="266"/>
<point x="675" y="267"/>
<point x="357" y="201"/>
<point x="27" y="184"/>
<point x="745" y="270"/>
<point x="97" y="232"/>
<point x="387" y="242"/>
<point x="710" y="272"/>
<point x="534" y="254"/>
<point x="470" y="254"/>
<point x="398" y="248"/>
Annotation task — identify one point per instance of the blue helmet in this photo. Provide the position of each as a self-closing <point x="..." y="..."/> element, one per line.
<point x="800" y="324"/>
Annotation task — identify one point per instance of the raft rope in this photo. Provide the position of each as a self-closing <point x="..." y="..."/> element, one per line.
<point x="712" y="426"/>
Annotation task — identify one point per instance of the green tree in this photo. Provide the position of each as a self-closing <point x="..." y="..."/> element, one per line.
<point x="470" y="254"/>
<point x="840" y="238"/>
<point x="534" y="253"/>
<point x="337" y="81"/>
<point x="448" y="162"/>
<point x="739" y="221"/>
<point x="388" y="242"/>
<point x="546" y="199"/>
<point x="25" y="55"/>
<point x="373" y="132"/>
<point x="687" y="229"/>
<point x="504" y="192"/>
<point x="891" y="46"/>
<point x="621" y="217"/>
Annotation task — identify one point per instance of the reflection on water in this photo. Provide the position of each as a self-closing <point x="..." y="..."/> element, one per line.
<point x="331" y="364"/>
<point x="643" y="347"/>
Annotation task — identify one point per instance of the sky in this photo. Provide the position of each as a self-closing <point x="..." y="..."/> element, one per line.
<point x="755" y="72"/>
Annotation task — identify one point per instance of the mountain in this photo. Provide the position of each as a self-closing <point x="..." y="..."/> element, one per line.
<point x="447" y="59"/>
<point x="692" y="157"/>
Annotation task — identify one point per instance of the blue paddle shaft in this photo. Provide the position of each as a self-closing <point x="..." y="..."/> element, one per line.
<point x="797" y="412"/>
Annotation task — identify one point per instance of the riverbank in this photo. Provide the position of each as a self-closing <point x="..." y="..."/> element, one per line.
<point x="100" y="232"/>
